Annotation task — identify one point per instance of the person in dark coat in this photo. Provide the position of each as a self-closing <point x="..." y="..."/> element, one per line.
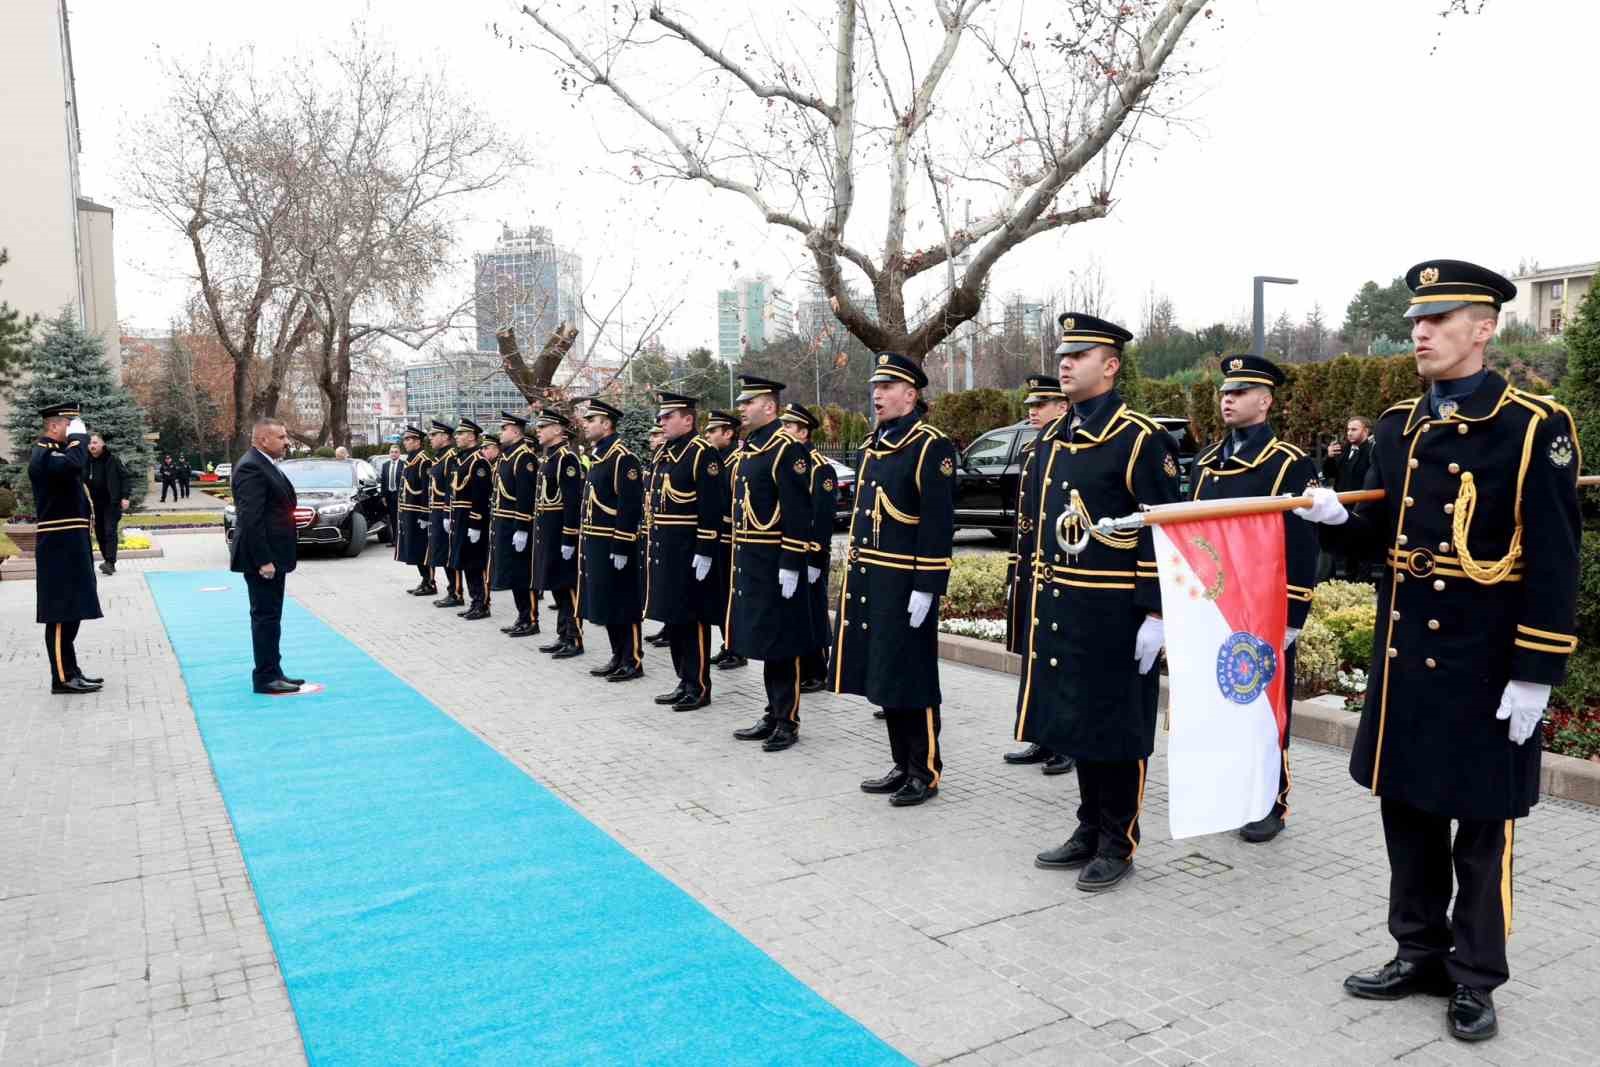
<point x="657" y="438"/>
<point x="1479" y="531"/>
<point x="390" y="475"/>
<point x="411" y="512"/>
<point x="64" y="588"/>
<point x="108" y="482"/>
<point x="799" y="424"/>
<point x="181" y="471"/>
<point x="1045" y="403"/>
<point x="722" y="433"/>
<point x="767" y="618"/>
<point x="608" y="547"/>
<point x="1345" y="469"/>
<point x="1089" y="685"/>
<point x="441" y="478"/>
<point x="471" y="491"/>
<point x="264" y="548"/>
<point x="516" y="488"/>
<point x="560" y="517"/>
<point x="1252" y="461"/>
<point x="167" y="473"/>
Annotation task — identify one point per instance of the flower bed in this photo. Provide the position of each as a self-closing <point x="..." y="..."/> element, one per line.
<point x="982" y="629"/>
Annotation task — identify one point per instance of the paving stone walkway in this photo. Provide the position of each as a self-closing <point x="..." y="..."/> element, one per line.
<point x="129" y="934"/>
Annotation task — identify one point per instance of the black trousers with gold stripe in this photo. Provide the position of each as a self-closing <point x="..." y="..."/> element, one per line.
<point x="914" y="742"/>
<point x="1471" y="942"/>
<point x="691" y="655"/>
<point x="782" y="679"/>
<point x="477" y="583"/>
<point x="452" y="582"/>
<point x="1280" y="806"/>
<point x="624" y="643"/>
<point x="1110" y="798"/>
<point x="567" y="628"/>
<point x="59" y="650"/>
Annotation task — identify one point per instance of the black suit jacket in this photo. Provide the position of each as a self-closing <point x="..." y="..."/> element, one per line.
<point x="263" y="501"/>
<point x="1348" y="472"/>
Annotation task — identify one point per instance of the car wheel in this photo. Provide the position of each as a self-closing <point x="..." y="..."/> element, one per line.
<point x="358" y="535"/>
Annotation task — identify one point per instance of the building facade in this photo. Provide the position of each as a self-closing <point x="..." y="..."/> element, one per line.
<point x="531" y="284"/>
<point x="471" y="384"/>
<point x="1025" y="318"/>
<point x="750" y="316"/>
<point x="1547" y="299"/>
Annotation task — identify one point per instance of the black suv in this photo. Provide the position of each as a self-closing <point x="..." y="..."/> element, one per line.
<point x="339" y="502"/>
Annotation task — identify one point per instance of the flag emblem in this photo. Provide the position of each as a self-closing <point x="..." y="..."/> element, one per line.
<point x="1245" y="666"/>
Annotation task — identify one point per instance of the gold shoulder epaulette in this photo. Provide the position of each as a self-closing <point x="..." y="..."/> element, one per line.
<point x="1293" y="451"/>
<point x="1404" y="407"/>
<point x="1144" y="422"/>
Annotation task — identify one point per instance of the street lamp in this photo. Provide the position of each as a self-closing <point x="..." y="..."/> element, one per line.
<point x="1258" y="337"/>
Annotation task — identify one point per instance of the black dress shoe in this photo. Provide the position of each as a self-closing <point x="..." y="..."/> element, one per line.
<point x="422" y="589"/>
<point x="277" y="688"/>
<point x="914" y="792"/>
<point x="1078" y="850"/>
<point x="626" y="674"/>
<point x="813" y="685"/>
<point x="556" y="647"/>
<point x="782" y="737"/>
<point x="692" y="702"/>
<point x="105" y="568"/>
<point x="80" y="676"/>
<point x="1058" y="764"/>
<point x="1103" y="873"/>
<point x="522" y="629"/>
<point x="1471" y="1015"/>
<point x="567" y="652"/>
<point x="730" y="662"/>
<point x="448" y="601"/>
<point x="759" y="732"/>
<point x="612" y="664"/>
<point x="508" y="629"/>
<point x="293" y="681"/>
<point x="889" y="783"/>
<point x="73" y="686"/>
<point x="1262" y="830"/>
<point x="672" y="697"/>
<point x="1029" y="753"/>
<point x="1398" y="979"/>
<point x="722" y="654"/>
<point x="111" y="568"/>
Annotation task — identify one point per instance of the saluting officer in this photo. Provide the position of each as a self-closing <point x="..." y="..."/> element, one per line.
<point x="722" y="434"/>
<point x="886" y="644"/>
<point x="1045" y="403"/>
<point x="608" y="547"/>
<point x="516" y="486"/>
<point x="560" y="516"/>
<point x="799" y="424"/>
<point x="1089" y="685"/>
<point x="1251" y="461"/>
<point x="411" y="511"/>
<point x="687" y="502"/>
<point x="65" y="590"/>
<point x="1476" y="609"/>
<point x="471" y="489"/>
<point x="767" y="619"/>
<point x="441" y="476"/>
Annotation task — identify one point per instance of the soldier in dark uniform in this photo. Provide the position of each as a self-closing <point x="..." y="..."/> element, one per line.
<point x="1251" y="461"/>
<point x="1479" y="530"/>
<point x="471" y="490"/>
<point x="1045" y="403"/>
<point x="560" y="517"/>
<point x="656" y="438"/>
<point x="687" y="502"/>
<point x="63" y="555"/>
<point x="1089" y="684"/>
<point x="768" y="619"/>
<point x="441" y="475"/>
<point x="799" y="424"/>
<point x="411" y="511"/>
<point x="608" y="548"/>
<point x="886" y="641"/>
<point x="722" y="434"/>
<point x="516" y="485"/>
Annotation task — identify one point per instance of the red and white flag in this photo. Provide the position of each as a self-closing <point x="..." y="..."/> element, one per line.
<point x="1224" y="602"/>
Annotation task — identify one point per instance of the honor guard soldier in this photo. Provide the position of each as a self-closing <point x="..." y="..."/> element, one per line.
<point x="1045" y="403"/>
<point x="1089" y="685"/>
<point x="656" y="439"/>
<point x="555" y="561"/>
<point x="1251" y="461"/>
<point x="1479" y="529"/>
<point x="686" y="508"/>
<point x="722" y="434"/>
<point x="516" y="486"/>
<point x="441" y="476"/>
<point x="411" y="511"/>
<point x="768" y="618"/>
<point x="885" y="646"/>
<point x="608" y="547"/>
<point x="65" y="590"/>
<point x="471" y="493"/>
<point x="800" y="424"/>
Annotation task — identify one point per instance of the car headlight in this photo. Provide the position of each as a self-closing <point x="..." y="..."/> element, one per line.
<point x="335" y="511"/>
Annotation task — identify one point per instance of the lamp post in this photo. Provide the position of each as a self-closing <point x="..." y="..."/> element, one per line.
<point x="1258" y="337"/>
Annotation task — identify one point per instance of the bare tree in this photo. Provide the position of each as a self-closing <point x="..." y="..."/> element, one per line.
<point x="1035" y="125"/>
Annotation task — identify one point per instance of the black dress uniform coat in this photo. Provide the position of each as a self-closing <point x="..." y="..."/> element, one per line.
<point x="1019" y="569"/>
<point x="824" y="502"/>
<point x="516" y="485"/>
<point x="687" y="502"/>
<point x="1459" y="616"/>
<point x="722" y="570"/>
<point x="560" y="503"/>
<point x="412" y="510"/>
<point x="65" y="590"/>
<point x="901" y="533"/>
<point x="441" y="477"/>
<point x="772" y="527"/>
<point x="1082" y="694"/>
<point x="471" y="496"/>
<point x="613" y="507"/>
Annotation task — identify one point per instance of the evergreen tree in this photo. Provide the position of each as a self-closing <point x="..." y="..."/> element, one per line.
<point x="68" y="364"/>
<point x="704" y="378"/>
<point x="637" y="422"/>
<point x="1580" y="389"/>
<point x="15" y="331"/>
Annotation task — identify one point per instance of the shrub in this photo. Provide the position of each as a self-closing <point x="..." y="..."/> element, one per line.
<point x="1332" y="597"/>
<point x="1353" y="628"/>
<point x="977" y="588"/>
<point x="968" y="414"/>
<point x="1316" y="659"/>
<point x="8" y="503"/>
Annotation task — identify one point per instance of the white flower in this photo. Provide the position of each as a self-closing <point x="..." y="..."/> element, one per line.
<point x="982" y="629"/>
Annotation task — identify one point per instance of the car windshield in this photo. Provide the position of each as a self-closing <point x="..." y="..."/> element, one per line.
<point x="319" y="474"/>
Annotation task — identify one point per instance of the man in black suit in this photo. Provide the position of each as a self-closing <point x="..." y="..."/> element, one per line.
<point x="391" y="478"/>
<point x="263" y="548"/>
<point x="1344" y="471"/>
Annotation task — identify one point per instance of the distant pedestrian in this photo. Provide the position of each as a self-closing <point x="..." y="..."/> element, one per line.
<point x="181" y="465"/>
<point x="1345" y="470"/>
<point x="168" y="475"/>
<point x="107" y="479"/>
<point x="341" y="453"/>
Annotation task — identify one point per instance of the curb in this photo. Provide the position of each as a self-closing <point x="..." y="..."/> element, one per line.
<point x="1321" y="720"/>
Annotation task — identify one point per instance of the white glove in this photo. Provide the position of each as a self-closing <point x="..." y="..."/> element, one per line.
<point x="473" y="535"/>
<point x="1147" y="646"/>
<point x="77" y="426"/>
<point x="1325" y="508"/>
<point x="519" y="540"/>
<point x="447" y="526"/>
<point x="702" y="567"/>
<point x="567" y="551"/>
<point x="812" y="574"/>
<point x="1523" y="703"/>
<point x="1290" y="633"/>
<point x="422" y="524"/>
<point x="788" y="581"/>
<point x="918" y="608"/>
<point x="618" y="560"/>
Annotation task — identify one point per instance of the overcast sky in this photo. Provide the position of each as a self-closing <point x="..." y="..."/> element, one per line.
<point x="1329" y="141"/>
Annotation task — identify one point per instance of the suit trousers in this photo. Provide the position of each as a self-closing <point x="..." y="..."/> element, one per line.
<point x="1110" y="797"/>
<point x="266" y="624"/>
<point x="691" y="655"/>
<point x="106" y="520"/>
<point x="782" y="680"/>
<point x="914" y="742"/>
<point x="59" y="638"/>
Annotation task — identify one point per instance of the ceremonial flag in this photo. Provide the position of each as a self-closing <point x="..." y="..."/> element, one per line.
<point x="1225" y="605"/>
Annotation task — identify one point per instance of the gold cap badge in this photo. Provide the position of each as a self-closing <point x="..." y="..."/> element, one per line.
<point x="882" y="360"/>
<point x="1429" y="275"/>
<point x="1069" y="323"/>
<point x="1236" y="364"/>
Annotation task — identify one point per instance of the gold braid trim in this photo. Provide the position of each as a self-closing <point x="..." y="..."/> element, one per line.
<point x="1480" y="572"/>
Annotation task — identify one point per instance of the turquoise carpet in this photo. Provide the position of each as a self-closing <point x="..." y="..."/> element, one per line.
<point x="430" y="903"/>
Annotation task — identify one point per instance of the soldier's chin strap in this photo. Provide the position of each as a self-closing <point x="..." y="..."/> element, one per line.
<point x="1480" y="572"/>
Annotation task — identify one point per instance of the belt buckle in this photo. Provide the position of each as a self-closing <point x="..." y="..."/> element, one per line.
<point x="1419" y="563"/>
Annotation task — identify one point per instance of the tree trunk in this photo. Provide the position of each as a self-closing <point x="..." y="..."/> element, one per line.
<point x="533" y="382"/>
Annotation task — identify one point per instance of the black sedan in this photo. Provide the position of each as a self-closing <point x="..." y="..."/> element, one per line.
<point x="339" y="503"/>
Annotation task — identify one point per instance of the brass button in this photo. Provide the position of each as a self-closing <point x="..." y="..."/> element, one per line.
<point x="1399" y="576"/>
<point x="1431" y="662"/>
<point x="1449" y="509"/>
<point x="1461" y="428"/>
<point x="1454" y="468"/>
<point x="1052" y="661"/>
<point x="1055" y="592"/>
<point x="863" y="626"/>
<point x="1053" y="626"/>
<point x="1393" y="652"/>
<point x="1410" y="501"/>
<point x="861" y="570"/>
<point x="1400" y="540"/>
<point x="1444" y="546"/>
<point x="1413" y="464"/>
<point x="1433" y="624"/>
<point x="863" y="600"/>
<point x="1438" y="585"/>
<point x="1395" y="615"/>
